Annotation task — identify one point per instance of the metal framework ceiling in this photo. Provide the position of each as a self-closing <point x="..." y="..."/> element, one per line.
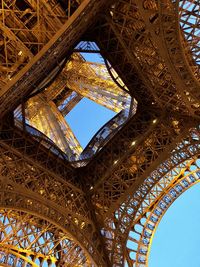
<point x="103" y="209"/>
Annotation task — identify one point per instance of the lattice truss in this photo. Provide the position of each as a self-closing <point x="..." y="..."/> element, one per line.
<point x="142" y="32"/>
<point x="105" y="213"/>
<point x="131" y="216"/>
<point x="28" y="187"/>
<point x="189" y="22"/>
<point x="78" y="79"/>
<point x="26" y="26"/>
<point x="29" y="241"/>
<point x="154" y="206"/>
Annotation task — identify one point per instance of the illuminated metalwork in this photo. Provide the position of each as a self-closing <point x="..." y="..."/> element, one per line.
<point x="145" y="34"/>
<point x="92" y="80"/>
<point x="26" y="27"/>
<point x="161" y="197"/>
<point x="189" y="19"/>
<point x="108" y="203"/>
<point x="27" y="240"/>
<point x="47" y="118"/>
<point x="85" y="79"/>
<point x="26" y="183"/>
<point x="114" y="196"/>
<point x="42" y="64"/>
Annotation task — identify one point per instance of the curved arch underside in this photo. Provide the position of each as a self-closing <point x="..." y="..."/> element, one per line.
<point x="32" y="241"/>
<point x="162" y="195"/>
<point x="104" y="213"/>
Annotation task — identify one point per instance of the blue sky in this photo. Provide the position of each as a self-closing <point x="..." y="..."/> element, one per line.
<point x="86" y="118"/>
<point x="176" y="242"/>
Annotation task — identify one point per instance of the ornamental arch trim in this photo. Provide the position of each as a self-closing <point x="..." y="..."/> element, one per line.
<point x="67" y="234"/>
<point x="165" y="192"/>
<point x="136" y="205"/>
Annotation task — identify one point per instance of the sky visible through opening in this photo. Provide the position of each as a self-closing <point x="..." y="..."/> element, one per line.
<point x="176" y="242"/>
<point x="87" y="117"/>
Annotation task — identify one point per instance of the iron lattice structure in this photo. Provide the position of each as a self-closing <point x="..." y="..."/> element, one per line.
<point x="61" y="205"/>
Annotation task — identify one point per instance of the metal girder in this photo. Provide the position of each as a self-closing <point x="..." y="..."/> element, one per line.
<point x="188" y="16"/>
<point x="129" y="38"/>
<point x="121" y="60"/>
<point x="65" y="108"/>
<point x="39" y="149"/>
<point x="122" y="219"/>
<point x="117" y="149"/>
<point x="91" y="80"/>
<point x="88" y="79"/>
<point x="28" y="186"/>
<point x="101" y="205"/>
<point x="47" y="118"/>
<point x="125" y="162"/>
<point x="156" y="203"/>
<point x="26" y="26"/>
<point x="58" y="48"/>
<point x="125" y="170"/>
<point x="29" y="240"/>
<point x="166" y="35"/>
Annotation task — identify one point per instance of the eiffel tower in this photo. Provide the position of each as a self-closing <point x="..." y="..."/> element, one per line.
<point x="60" y="204"/>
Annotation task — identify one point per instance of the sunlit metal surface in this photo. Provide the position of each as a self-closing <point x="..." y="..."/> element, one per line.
<point x="138" y="204"/>
<point x="137" y="162"/>
<point x="189" y="12"/>
<point x="79" y="79"/>
<point x="81" y="17"/>
<point x="161" y="196"/>
<point x="26" y="27"/>
<point x="30" y="241"/>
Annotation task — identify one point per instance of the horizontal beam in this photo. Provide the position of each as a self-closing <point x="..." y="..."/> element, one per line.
<point x="38" y="149"/>
<point x="52" y="53"/>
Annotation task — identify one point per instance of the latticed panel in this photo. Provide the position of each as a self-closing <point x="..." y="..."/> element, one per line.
<point x="26" y="27"/>
<point x="30" y="241"/>
<point x="138" y="202"/>
<point x="163" y="194"/>
<point x="139" y="34"/>
<point x="78" y="78"/>
<point x="126" y="179"/>
<point x="189" y="12"/>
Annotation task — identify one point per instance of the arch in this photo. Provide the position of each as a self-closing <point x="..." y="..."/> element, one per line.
<point x="178" y="49"/>
<point x="28" y="186"/>
<point x="80" y="234"/>
<point x="9" y="257"/>
<point x="118" y="227"/>
<point x="46" y="239"/>
<point x="174" y="185"/>
<point x="163" y="21"/>
<point x="188" y="18"/>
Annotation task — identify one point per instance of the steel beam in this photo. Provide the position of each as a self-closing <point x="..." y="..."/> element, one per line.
<point x="52" y="53"/>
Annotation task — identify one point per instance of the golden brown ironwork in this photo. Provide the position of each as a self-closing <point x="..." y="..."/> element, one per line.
<point x="103" y="209"/>
<point x="31" y="240"/>
<point x="51" y="54"/>
<point x="145" y="32"/>
<point x="27" y="185"/>
<point x="85" y="79"/>
<point x="154" y="206"/>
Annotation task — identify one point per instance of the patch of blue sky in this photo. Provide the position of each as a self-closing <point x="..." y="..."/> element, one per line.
<point x="176" y="240"/>
<point x="86" y="118"/>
